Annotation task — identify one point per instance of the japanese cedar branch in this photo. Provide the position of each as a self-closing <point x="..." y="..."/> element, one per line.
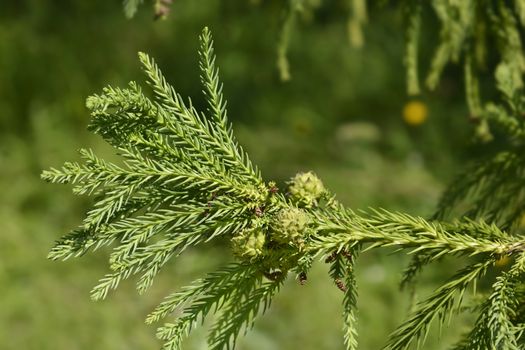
<point x="184" y="180"/>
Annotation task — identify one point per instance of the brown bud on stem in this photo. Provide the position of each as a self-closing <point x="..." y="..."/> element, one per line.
<point x="340" y="285"/>
<point x="302" y="278"/>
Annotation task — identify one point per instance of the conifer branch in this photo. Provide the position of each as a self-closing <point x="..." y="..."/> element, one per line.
<point x="241" y="310"/>
<point x="412" y="15"/>
<point x="345" y="229"/>
<point x="439" y="305"/>
<point x="184" y="180"/>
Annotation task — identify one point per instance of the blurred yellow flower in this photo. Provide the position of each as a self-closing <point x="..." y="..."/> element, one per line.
<point x="503" y="261"/>
<point x="415" y="113"/>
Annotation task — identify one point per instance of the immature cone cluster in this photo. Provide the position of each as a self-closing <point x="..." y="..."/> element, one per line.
<point x="249" y="244"/>
<point x="290" y="226"/>
<point x="306" y="189"/>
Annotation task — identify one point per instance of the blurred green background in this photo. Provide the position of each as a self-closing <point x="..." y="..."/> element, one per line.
<point x="341" y="115"/>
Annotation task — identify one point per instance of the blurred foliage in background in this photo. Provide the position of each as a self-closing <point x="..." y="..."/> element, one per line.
<point x="340" y="115"/>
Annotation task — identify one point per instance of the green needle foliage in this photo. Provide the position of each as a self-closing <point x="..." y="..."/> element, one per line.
<point x="492" y="187"/>
<point x="183" y="180"/>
